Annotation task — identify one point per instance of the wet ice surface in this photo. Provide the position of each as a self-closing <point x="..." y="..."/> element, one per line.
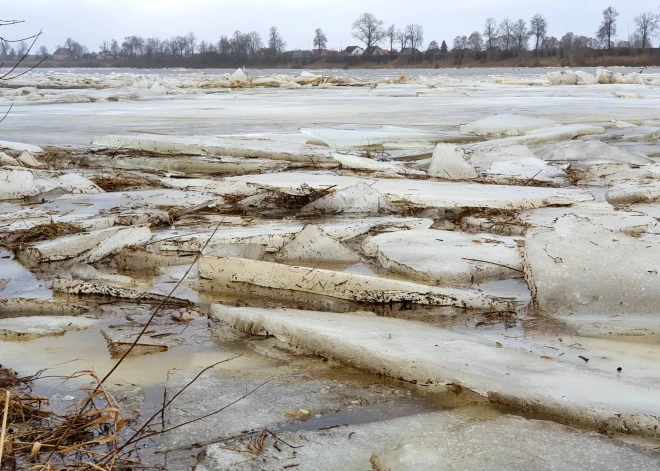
<point x="510" y="266"/>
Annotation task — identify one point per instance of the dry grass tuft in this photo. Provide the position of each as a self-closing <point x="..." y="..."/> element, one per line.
<point x="124" y="181"/>
<point x="18" y="239"/>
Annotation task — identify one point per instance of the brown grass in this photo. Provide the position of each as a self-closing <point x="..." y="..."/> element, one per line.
<point x="124" y="181"/>
<point x="18" y="239"/>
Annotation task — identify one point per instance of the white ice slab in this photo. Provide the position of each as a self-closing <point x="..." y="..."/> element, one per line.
<point x="579" y="267"/>
<point x="361" y="288"/>
<point x="591" y="151"/>
<point x="431" y="193"/>
<point x="425" y="354"/>
<point x="506" y="125"/>
<point x="253" y="145"/>
<point x="447" y="257"/>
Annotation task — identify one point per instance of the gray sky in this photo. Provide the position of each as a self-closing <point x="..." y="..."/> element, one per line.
<point x="90" y="21"/>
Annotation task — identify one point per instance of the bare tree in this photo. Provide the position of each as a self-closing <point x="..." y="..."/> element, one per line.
<point x="521" y="34"/>
<point x="538" y="28"/>
<point x="490" y="33"/>
<point x="433" y="46"/>
<point x="460" y="43"/>
<point x="114" y="48"/>
<point x="191" y="43"/>
<point x="43" y="51"/>
<point x="391" y="34"/>
<point x="320" y="40"/>
<point x="275" y="40"/>
<point x="607" y="28"/>
<point x="506" y="31"/>
<point x="475" y="42"/>
<point x="647" y="27"/>
<point x="566" y="42"/>
<point x="368" y="29"/>
<point x="402" y="39"/>
<point x="551" y="44"/>
<point x="104" y="47"/>
<point x="414" y="35"/>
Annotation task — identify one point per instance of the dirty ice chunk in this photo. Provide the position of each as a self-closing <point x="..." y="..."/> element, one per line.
<point x="425" y="354"/>
<point x="447" y="257"/>
<point x="449" y="162"/>
<point x="362" y="163"/>
<point x="579" y="267"/>
<point x="313" y="245"/>
<point x="631" y="193"/>
<point x="392" y="136"/>
<point x="28" y="328"/>
<point x="157" y="88"/>
<point x="360" y="288"/>
<point x="19" y="307"/>
<point x="563" y="77"/>
<point x="506" y="125"/>
<point x="239" y="76"/>
<point x="92" y="288"/>
<point x="27" y="160"/>
<point x="67" y="247"/>
<point x="130" y="236"/>
<point x="585" y="78"/>
<point x="591" y="151"/>
<point x="356" y="199"/>
<point x="6" y="145"/>
<point x="8" y="160"/>
<point x="89" y="273"/>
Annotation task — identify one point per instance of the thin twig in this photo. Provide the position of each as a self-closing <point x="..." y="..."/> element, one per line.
<point x="7" y="113"/>
<point x="493" y="263"/>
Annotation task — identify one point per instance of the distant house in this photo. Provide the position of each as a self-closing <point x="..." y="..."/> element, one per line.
<point x="62" y="54"/>
<point x="324" y="52"/>
<point x="353" y="51"/>
<point x="374" y="51"/>
<point x="409" y="51"/>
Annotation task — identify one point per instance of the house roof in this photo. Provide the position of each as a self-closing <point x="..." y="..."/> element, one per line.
<point x="409" y="50"/>
<point x="61" y="50"/>
<point x="372" y="49"/>
<point x="351" y="49"/>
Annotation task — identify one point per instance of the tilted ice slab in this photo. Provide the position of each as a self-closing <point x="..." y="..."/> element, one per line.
<point x="542" y="136"/>
<point x="20" y="147"/>
<point x="361" y="138"/>
<point x="445" y="440"/>
<point x="361" y="288"/>
<point x="273" y="236"/>
<point x="67" y="247"/>
<point x="590" y="152"/>
<point x="20" y="183"/>
<point x="313" y="245"/>
<point x="506" y="125"/>
<point x="425" y="354"/>
<point x="598" y="213"/>
<point x="362" y="163"/>
<point x="608" y="174"/>
<point x="447" y="257"/>
<point x="579" y="267"/>
<point x="448" y="162"/>
<point x="631" y="193"/>
<point x="249" y="145"/>
<point x="356" y="199"/>
<point x="430" y="193"/>
<point x="186" y="164"/>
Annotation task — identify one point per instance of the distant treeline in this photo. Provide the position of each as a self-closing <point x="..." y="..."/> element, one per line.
<point x="504" y="42"/>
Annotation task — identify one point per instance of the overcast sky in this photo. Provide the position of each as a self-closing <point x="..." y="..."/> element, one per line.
<point x="90" y="21"/>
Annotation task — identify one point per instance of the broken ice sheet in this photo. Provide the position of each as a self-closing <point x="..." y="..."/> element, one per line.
<point x="447" y="257"/>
